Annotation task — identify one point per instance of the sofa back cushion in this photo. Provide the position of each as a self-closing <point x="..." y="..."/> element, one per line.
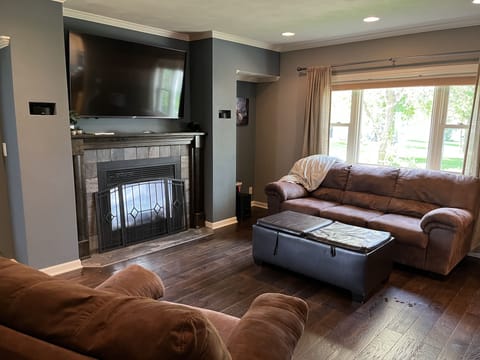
<point x="410" y="207"/>
<point x="102" y="324"/>
<point x="370" y="186"/>
<point x="333" y="186"/>
<point x="337" y="176"/>
<point x="427" y="189"/>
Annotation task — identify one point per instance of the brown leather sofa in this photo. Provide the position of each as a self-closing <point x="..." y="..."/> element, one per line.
<point x="430" y="213"/>
<point x="42" y="317"/>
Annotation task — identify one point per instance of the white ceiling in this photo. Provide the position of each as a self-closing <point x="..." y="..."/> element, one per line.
<point x="315" y="22"/>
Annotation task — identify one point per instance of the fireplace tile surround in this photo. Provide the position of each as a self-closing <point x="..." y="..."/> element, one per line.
<point x="90" y="150"/>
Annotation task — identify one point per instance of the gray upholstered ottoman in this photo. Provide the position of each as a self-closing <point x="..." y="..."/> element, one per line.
<point x="351" y="257"/>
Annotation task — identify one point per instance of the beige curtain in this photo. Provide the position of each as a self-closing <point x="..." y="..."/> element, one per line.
<point x="472" y="158"/>
<point x="317" y="111"/>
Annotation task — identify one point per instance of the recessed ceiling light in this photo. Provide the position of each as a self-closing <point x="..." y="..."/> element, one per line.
<point x="288" y="33"/>
<point x="476" y="1"/>
<point x="371" y="19"/>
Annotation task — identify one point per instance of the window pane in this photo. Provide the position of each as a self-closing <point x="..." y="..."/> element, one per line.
<point x="338" y="142"/>
<point x="395" y="126"/>
<point x="341" y="107"/>
<point x="460" y="104"/>
<point x="453" y="149"/>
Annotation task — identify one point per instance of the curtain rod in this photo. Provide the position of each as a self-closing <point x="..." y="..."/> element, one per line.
<point x="393" y="60"/>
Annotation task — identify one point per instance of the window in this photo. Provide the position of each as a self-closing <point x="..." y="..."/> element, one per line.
<point x="410" y="126"/>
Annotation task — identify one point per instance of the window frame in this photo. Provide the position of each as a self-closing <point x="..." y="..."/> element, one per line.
<point x="438" y="124"/>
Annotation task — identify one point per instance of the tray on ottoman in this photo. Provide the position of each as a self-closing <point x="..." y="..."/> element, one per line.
<point x="351" y="257"/>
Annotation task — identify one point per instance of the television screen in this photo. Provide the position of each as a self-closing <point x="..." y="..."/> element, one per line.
<point x="114" y="78"/>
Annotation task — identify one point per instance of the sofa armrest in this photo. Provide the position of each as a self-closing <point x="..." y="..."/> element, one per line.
<point x="285" y="190"/>
<point x="134" y="281"/>
<point x="270" y="329"/>
<point x="446" y="218"/>
<point x="279" y="191"/>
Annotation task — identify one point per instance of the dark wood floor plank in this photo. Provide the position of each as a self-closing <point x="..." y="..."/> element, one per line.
<point x="461" y="338"/>
<point x="380" y="345"/>
<point x="473" y="351"/>
<point x="412" y="316"/>
<point x="451" y="316"/>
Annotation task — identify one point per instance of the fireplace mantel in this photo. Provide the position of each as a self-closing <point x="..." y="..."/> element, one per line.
<point x="88" y="150"/>
<point x="84" y="142"/>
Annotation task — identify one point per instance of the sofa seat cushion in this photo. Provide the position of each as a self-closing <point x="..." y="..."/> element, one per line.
<point x="307" y="205"/>
<point x="405" y="229"/>
<point x="350" y="214"/>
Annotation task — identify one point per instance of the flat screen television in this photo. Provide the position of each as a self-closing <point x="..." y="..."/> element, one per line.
<point x="115" y="78"/>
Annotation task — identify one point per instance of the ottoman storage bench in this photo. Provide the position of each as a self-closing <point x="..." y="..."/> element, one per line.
<point x="351" y="257"/>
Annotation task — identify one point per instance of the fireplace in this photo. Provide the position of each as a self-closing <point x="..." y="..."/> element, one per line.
<point x="108" y="169"/>
<point x="139" y="200"/>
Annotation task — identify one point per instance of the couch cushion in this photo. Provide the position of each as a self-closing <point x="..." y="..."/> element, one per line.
<point x="337" y="176"/>
<point x="15" y="345"/>
<point x="308" y="205"/>
<point x="410" y="207"/>
<point x="328" y="194"/>
<point x="438" y="187"/>
<point x="274" y="323"/>
<point x="102" y="324"/>
<point x="350" y="214"/>
<point x="134" y="281"/>
<point x="366" y="200"/>
<point x="370" y="187"/>
<point x="379" y="180"/>
<point x="405" y="229"/>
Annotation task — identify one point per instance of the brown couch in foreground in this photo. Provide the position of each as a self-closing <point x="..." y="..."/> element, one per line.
<point x="42" y="317"/>
<point x="430" y="213"/>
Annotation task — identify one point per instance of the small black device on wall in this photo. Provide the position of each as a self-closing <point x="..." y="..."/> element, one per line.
<point x="225" y="114"/>
<point x="41" y="108"/>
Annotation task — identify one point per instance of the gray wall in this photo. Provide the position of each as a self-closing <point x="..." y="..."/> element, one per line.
<point x="131" y="125"/>
<point x="6" y="236"/>
<point x="39" y="165"/>
<point x="246" y="137"/>
<point x="227" y="58"/>
<point x="280" y="106"/>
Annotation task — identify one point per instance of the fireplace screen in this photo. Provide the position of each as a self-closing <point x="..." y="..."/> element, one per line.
<point x="135" y="212"/>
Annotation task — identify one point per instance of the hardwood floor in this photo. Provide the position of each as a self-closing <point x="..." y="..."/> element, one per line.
<point x="413" y="316"/>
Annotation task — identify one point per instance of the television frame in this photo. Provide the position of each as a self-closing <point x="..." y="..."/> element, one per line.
<point x="181" y="107"/>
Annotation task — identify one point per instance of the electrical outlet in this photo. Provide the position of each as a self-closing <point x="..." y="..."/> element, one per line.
<point x="250" y="190"/>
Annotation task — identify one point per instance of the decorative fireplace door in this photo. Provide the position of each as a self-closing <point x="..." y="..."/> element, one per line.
<point x="139" y="200"/>
<point x="136" y="212"/>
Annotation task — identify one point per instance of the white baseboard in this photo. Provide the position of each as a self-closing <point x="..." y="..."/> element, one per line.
<point x="221" y="223"/>
<point x="260" y="204"/>
<point x="62" y="268"/>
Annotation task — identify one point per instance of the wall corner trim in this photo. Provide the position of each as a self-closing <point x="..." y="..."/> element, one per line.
<point x="4" y="41"/>
<point x="259" y="204"/>
<point x="62" y="268"/>
<point x="221" y="223"/>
